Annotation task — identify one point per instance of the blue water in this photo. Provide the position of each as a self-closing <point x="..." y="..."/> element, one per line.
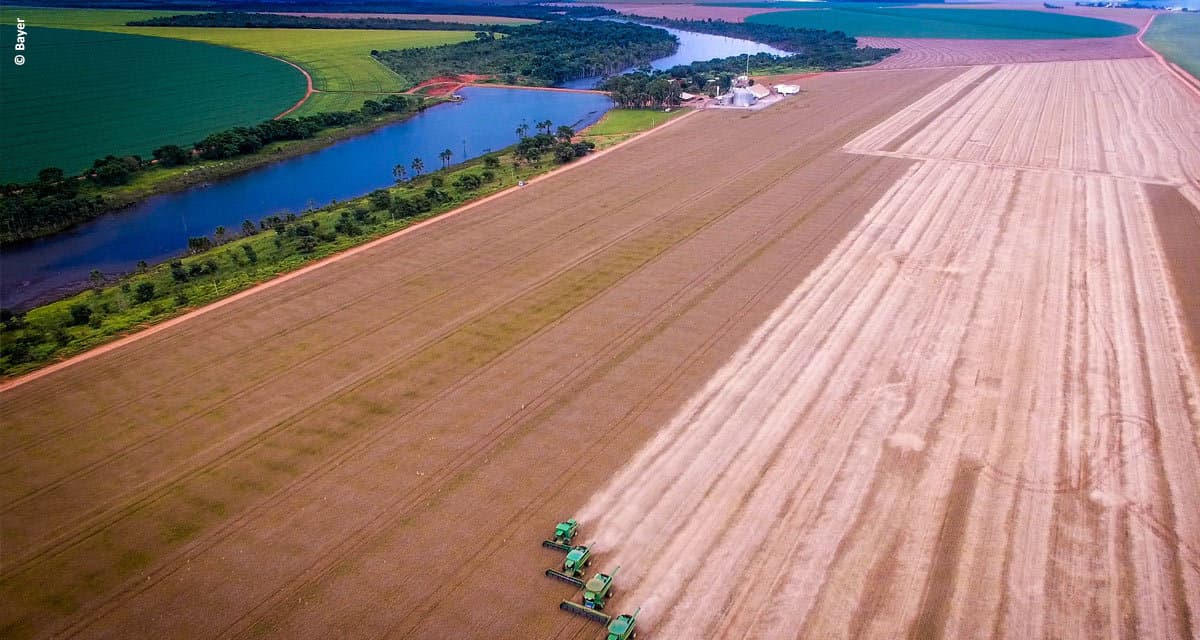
<point x="158" y="228"/>
<point x="692" y="47"/>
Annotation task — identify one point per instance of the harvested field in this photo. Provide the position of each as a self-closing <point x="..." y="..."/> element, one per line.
<point x="919" y="53"/>
<point x="349" y="452"/>
<point x="978" y="417"/>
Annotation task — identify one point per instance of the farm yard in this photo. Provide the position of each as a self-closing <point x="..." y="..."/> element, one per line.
<point x="144" y="89"/>
<point x="913" y="353"/>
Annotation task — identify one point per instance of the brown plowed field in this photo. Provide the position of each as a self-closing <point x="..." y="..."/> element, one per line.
<point x="978" y="417"/>
<point x="377" y="446"/>
<point x="921" y="53"/>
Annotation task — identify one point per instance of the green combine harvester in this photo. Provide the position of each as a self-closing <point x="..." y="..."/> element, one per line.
<point x="624" y="627"/>
<point x="596" y="592"/>
<point x="572" y="567"/>
<point x="564" y="533"/>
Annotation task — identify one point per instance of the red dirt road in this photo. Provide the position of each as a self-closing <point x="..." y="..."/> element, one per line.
<point x="366" y="448"/>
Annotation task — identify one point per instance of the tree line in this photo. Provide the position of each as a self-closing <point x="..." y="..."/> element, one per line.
<point x="825" y="50"/>
<point x="543" y="54"/>
<point x="54" y="201"/>
<point x="528" y="11"/>
<point x="276" y="21"/>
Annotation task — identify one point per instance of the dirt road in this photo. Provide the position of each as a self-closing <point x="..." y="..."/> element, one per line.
<point x="978" y="417"/>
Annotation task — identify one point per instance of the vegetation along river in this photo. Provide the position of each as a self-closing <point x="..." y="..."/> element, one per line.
<point x="158" y="228"/>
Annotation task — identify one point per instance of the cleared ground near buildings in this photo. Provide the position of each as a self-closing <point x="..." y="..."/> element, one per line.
<point x="998" y="24"/>
<point x="978" y="417"/>
<point x="296" y="462"/>
<point x="82" y="95"/>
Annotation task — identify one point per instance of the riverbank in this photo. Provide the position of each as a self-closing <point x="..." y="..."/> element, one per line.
<point x="157" y="180"/>
<point x="280" y="245"/>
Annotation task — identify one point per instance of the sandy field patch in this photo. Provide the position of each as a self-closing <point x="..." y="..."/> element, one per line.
<point x="978" y="417"/>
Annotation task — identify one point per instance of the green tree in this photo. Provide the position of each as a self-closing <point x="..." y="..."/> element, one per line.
<point x="80" y="313"/>
<point x="400" y="173"/>
<point x="418" y="166"/>
<point x="144" y="292"/>
<point x="445" y="155"/>
<point x="565" y="133"/>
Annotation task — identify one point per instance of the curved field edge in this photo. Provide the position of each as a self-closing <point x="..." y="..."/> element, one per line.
<point x="982" y="24"/>
<point x="1177" y="37"/>
<point x="147" y="92"/>
<point x="238" y="276"/>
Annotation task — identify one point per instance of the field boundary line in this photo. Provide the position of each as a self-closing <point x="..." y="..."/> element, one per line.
<point x="309" y="91"/>
<point x="1192" y="84"/>
<point x="167" y="324"/>
<point x="1081" y="173"/>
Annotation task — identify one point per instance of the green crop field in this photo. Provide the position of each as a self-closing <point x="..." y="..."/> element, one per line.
<point x="1177" y="37"/>
<point x="339" y="60"/>
<point x="90" y="94"/>
<point x="984" y="24"/>
<point x="621" y="121"/>
<point x="85" y="94"/>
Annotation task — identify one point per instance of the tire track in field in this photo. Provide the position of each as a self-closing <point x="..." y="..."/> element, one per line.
<point x="298" y="293"/>
<point x="715" y="188"/>
<point x="793" y="431"/>
<point x="269" y="377"/>
<point x="347" y="385"/>
<point x="165" y="489"/>
<point x="776" y="231"/>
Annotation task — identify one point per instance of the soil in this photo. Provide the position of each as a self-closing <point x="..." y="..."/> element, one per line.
<point x="367" y="447"/>
<point x="918" y="53"/>
<point x="978" y="416"/>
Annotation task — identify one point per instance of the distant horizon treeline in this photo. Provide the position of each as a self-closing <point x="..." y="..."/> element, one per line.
<point x="528" y="11"/>
<point x="55" y="201"/>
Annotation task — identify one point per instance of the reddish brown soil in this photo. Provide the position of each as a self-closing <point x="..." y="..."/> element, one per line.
<point x="918" y="53"/>
<point x="377" y="446"/>
<point x="445" y="85"/>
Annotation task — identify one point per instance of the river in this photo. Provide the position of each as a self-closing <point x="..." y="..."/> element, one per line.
<point x="158" y="228"/>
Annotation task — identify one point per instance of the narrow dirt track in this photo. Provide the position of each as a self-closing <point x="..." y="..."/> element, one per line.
<point x="365" y="448"/>
<point x="977" y="418"/>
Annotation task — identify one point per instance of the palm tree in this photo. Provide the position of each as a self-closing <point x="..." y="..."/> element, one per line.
<point x="523" y="130"/>
<point x="399" y="173"/>
<point x="545" y="125"/>
<point x="565" y="133"/>
<point x="445" y="155"/>
<point x="418" y="165"/>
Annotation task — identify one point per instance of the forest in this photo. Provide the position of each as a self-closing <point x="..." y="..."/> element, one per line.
<point x="544" y="54"/>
